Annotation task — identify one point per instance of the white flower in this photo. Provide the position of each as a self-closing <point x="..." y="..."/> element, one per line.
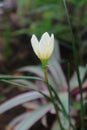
<point x="43" y="48"/>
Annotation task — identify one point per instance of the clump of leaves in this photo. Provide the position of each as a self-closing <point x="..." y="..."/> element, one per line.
<point x="38" y="90"/>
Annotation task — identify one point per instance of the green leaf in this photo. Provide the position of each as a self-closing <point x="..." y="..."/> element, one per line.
<point x="74" y="80"/>
<point x="20" y="99"/>
<point x="33" y="118"/>
<point x="22" y="83"/>
<point x="64" y="100"/>
<point x="37" y="70"/>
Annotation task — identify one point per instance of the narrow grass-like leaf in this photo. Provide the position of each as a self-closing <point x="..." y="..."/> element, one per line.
<point x="65" y="124"/>
<point x="21" y="83"/>
<point x="27" y="84"/>
<point x="55" y="68"/>
<point x="64" y="109"/>
<point x="17" y="120"/>
<point x="38" y="71"/>
<point x="74" y="80"/>
<point x="10" y="77"/>
<point x="32" y="69"/>
<point x="76" y="65"/>
<point x="58" y="74"/>
<point x="56" y="52"/>
<point x="20" y="99"/>
<point x="34" y="117"/>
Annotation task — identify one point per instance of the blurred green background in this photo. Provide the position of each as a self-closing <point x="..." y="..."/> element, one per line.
<point x="21" y="18"/>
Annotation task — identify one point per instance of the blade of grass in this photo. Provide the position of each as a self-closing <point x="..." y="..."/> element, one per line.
<point x="76" y="66"/>
<point x="33" y="118"/>
<point x="10" y="77"/>
<point x="68" y="79"/>
<point x="59" y="101"/>
<point x="18" y="84"/>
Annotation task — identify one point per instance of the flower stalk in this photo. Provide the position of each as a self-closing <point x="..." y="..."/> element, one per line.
<point x="52" y="97"/>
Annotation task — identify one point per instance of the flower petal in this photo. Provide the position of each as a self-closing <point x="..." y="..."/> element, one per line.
<point x="45" y="38"/>
<point x="34" y="39"/>
<point x="51" y="46"/>
<point x="52" y="42"/>
<point x="35" y="44"/>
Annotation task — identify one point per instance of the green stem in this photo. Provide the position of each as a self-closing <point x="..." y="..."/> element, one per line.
<point x="52" y="98"/>
<point x="77" y="69"/>
<point x="45" y="74"/>
<point x="63" y="109"/>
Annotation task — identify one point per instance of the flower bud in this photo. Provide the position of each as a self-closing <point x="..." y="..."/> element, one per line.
<point x="43" y="48"/>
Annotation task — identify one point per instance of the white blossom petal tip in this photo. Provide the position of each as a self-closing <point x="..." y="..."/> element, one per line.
<point x="34" y="39"/>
